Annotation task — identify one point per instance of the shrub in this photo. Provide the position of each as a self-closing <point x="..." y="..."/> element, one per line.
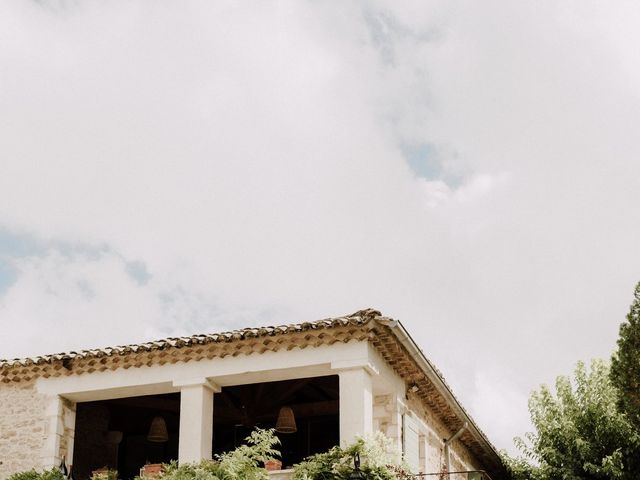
<point x="243" y="463"/>
<point x="105" y="474"/>
<point x="204" y="470"/>
<point x="246" y="461"/>
<point x="53" y="474"/>
<point x="380" y="460"/>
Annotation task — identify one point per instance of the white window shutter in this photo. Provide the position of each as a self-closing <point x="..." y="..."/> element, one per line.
<point x="411" y="442"/>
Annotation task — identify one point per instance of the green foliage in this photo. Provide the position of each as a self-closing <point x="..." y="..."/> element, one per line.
<point x="105" y="475"/>
<point x="204" y="470"/>
<point x="580" y="434"/>
<point x="625" y="363"/>
<point x="379" y="461"/>
<point x="243" y="463"/>
<point x="53" y="474"/>
<point x="520" y="469"/>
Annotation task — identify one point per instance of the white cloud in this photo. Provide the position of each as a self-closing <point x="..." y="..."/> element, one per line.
<point x="67" y="303"/>
<point x="438" y="192"/>
<point x="250" y="157"/>
<point x="497" y="404"/>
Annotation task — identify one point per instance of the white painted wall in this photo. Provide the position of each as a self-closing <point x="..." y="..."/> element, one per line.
<point x="356" y="363"/>
<point x="356" y="404"/>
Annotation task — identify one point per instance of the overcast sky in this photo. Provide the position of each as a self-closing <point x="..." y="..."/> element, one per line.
<point x="469" y="168"/>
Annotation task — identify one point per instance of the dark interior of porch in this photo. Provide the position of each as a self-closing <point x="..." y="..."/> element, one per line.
<point x="115" y="434"/>
<point x="126" y="433"/>
<point x="313" y="402"/>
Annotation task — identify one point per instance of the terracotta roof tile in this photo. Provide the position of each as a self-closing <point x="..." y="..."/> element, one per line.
<point x="360" y="317"/>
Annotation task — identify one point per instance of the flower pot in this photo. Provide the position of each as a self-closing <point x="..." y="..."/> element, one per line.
<point x="151" y="470"/>
<point x="104" y="473"/>
<point x="272" y="465"/>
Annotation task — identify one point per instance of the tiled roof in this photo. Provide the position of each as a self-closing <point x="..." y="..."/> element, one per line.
<point x="385" y="334"/>
<point x="358" y="318"/>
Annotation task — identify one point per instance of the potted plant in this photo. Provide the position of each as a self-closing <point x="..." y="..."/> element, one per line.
<point x="151" y="470"/>
<point x="273" y="464"/>
<point x="104" y="473"/>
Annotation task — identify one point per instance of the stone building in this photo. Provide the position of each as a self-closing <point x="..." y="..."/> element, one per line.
<point x="324" y="382"/>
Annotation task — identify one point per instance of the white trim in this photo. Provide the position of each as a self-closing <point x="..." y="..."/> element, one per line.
<point x="355" y="364"/>
<point x="198" y="382"/>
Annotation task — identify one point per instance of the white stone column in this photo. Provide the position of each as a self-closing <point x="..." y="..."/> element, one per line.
<point x="69" y="433"/>
<point x="53" y="432"/>
<point x="397" y="409"/>
<point x="196" y="419"/>
<point x="356" y="404"/>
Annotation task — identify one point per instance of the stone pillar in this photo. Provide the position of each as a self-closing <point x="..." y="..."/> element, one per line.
<point x="196" y="419"/>
<point x="387" y="412"/>
<point x="356" y="404"/>
<point x="397" y="408"/>
<point x="53" y="432"/>
<point x="68" y="436"/>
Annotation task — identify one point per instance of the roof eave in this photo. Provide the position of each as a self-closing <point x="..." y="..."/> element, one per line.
<point x="435" y="377"/>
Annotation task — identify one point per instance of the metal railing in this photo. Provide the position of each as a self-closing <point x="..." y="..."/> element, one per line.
<point x="459" y="475"/>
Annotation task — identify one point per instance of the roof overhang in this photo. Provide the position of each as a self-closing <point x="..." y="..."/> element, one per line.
<point x="388" y="336"/>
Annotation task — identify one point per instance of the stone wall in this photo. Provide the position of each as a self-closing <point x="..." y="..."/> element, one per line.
<point x="387" y="418"/>
<point x="22" y="427"/>
<point x="432" y="442"/>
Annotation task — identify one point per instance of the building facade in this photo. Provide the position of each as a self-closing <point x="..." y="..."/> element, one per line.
<point x="338" y="379"/>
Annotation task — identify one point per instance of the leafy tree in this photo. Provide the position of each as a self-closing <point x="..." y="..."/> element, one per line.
<point x="625" y="363"/>
<point x="520" y="468"/>
<point x="579" y="432"/>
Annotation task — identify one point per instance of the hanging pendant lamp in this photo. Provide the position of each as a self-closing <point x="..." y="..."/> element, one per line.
<point x="286" y="422"/>
<point x="158" y="430"/>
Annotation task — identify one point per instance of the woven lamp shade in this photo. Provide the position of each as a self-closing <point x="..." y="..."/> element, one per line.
<point x="158" y="430"/>
<point x="286" y="421"/>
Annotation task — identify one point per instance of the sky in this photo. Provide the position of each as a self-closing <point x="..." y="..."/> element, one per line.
<point x="469" y="168"/>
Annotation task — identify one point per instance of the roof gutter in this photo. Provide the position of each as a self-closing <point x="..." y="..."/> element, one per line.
<point x="467" y="422"/>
